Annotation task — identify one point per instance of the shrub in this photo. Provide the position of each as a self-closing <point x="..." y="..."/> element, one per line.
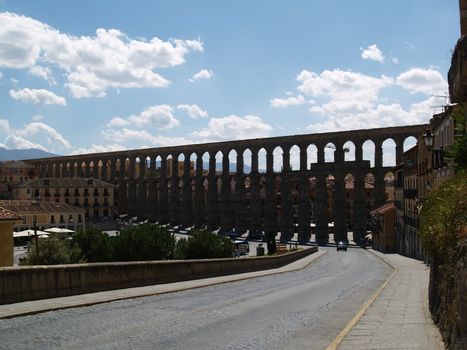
<point x="53" y="250"/>
<point x="143" y="242"/>
<point x="204" y="245"/>
<point x="94" y="245"/>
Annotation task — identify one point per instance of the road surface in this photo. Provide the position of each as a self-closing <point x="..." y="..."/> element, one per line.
<point x="305" y="309"/>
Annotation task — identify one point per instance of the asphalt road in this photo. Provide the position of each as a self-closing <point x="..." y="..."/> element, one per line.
<point x="305" y="309"/>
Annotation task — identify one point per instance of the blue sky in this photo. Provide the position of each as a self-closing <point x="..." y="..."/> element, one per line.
<point x="87" y="76"/>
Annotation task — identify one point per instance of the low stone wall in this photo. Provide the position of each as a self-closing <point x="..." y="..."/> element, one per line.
<point x="40" y="282"/>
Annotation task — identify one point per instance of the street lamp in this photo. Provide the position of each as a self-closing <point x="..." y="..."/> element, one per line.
<point x="428" y="138"/>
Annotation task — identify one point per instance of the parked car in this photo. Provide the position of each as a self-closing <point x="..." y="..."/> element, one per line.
<point x="241" y="247"/>
<point x="341" y="245"/>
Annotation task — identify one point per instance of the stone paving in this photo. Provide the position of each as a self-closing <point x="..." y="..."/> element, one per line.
<point x="399" y="318"/>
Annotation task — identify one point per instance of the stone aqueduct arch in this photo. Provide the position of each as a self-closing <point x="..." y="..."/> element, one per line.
<point x="241" y="200"/>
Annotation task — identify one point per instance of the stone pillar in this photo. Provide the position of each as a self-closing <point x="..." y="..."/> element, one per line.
<point x="212" y="205"/>
<point x="303" y="159"/>
<point x="359" y="208"/>
<point x="142" y="168"/>
<point x="104" y="172"/>
<point x="187" y="217"/>
<point x="358" y="151"/>
<point x="286" y="208"/>
<point x="378" y="155"/>
<point x="255" y="206"/>
<point x="200" y="217"/>
<point x="95" y="169"/>
<point x="163" y="193"/>
<point x="340" y="222"/>
<point x="321" y="210"/>
<point x="304" y="230"/>
<point x="270" y="209"/>
<point x="152" y="200"/>
<point x="132" y="208"/>
<point x="320" y="153"/>
<point x="399" y="151"/>
<point x="174" y="193"/>
<point x="142" y="198"/>
<point x="380" y="189"/>
<point x="113" y="169"/>
<point x="240" y="200"/>
<point x="131" y="168"/>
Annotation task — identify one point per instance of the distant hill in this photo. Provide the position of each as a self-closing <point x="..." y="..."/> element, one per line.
<point x="19" y="154"/>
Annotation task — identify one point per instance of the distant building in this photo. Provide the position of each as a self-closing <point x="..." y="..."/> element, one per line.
<point x="45" y="215"/>
<point x="383" y="234"/>
<point x="96" y="197"/>
<point x="13" y="172"/>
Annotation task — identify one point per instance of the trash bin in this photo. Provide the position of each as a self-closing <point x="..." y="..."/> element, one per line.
<point x="260" y="250"/>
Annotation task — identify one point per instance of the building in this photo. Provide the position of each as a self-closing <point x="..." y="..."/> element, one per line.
<point x="411" y="243"/>
<point x="45" y="215"/>
<point x="7" y="220"/>
<point x="13" y="172"/>
<point x="95" y="196"/>
<point x="383" y="235"/>
<point x="399" y="207"/>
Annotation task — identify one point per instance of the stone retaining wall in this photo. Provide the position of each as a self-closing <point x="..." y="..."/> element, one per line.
<point x="40" y="282"/>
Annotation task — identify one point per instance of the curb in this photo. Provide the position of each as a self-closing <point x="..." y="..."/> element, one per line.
<point x="343" y="333"/>
<point x="314" y="256"/>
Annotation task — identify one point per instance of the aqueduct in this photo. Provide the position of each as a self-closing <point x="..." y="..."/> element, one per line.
<point x="248" y="197"/>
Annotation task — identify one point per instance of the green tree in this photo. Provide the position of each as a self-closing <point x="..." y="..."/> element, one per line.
<point x="143" y="242"/>
<point x="53" y="250"/>
<point x="204" y="245"/>
<point x="94" y="245"/>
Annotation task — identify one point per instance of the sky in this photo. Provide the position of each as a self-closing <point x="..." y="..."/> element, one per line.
<point x="94" y="76"/>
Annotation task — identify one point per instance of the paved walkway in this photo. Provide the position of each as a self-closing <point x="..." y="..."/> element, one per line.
<point x="38" y="306"/>
<point x="399" y="317"/>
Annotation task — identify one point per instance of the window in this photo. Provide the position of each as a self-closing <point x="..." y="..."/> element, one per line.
<point x="52" y="219"/>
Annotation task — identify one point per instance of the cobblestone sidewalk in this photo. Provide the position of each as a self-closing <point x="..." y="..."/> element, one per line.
<point x="399" y="318"/>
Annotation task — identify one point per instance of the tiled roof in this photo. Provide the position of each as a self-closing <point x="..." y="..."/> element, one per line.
<point x="64" y="183"/>
<point x="28" y="206"/>
<point x="7" y="215"/>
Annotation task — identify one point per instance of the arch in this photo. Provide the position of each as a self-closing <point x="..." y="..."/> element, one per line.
<point x="349" y="151"/>
<point x="368" y="150"/>
<point x="277" y="163"/>
<point x="311" y="155"/>
<point x="180" y="163"/>
<point x="262" y="156"/>
<point x="194" y="164"/>
<point x="409" y="142"/>
<point x="294" y="158"/>
<point x="205" y="158"/>
<point x="247" y="156"/>
<point x="219" y="160"/>
<point x="329" y="150"/>
<point x="232" y="161"/>
<point x="169" y="164"/>
<point x="389" y="152"/>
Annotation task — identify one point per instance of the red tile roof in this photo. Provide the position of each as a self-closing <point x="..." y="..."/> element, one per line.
<point x="7" y="215"/>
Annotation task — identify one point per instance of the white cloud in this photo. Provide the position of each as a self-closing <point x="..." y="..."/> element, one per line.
<point x="36" y="118"/>
<point x="18" y="142"/>
<point x="51" y="134"/>
<point x="117" y="122"/>
<point x="159" y="116"/>
<point x="194" y="111"/>
<point x="37" y="96"/>
<point x="233" y="127"/>
<point x="44" y="73"/>
<point x="202" y="74"/>
<point x="373" y="53"/>
<point x="99" y="149"/>
<point x="395" y="60"/>
<point x="286" y="102"/>
<point x="426" y="81"/>
<point x="92" y="64"/>
<point x="125" y="135"/>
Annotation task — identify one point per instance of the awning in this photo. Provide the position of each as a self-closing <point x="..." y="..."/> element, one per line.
<point x="29" y="233"/>
<point x="58" y="230"/>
